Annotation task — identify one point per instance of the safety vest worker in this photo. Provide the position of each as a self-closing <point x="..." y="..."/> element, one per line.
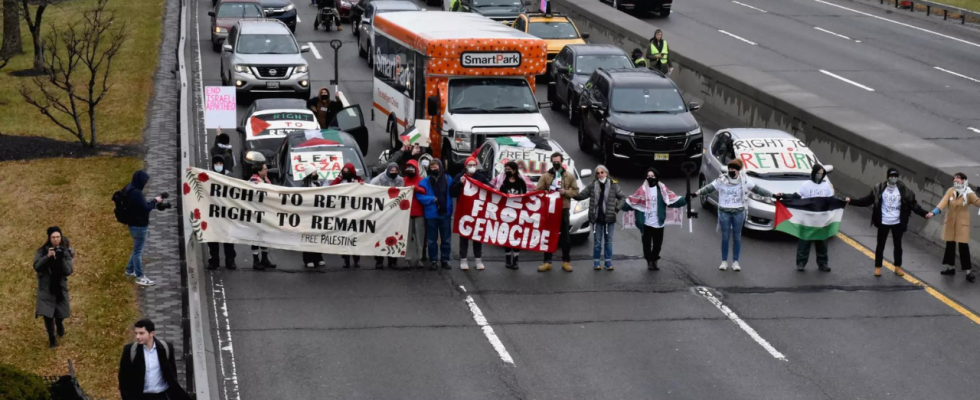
<point x="454" y="5"/>
<point x="638" y="60"/>
<point x="663" y="52"/>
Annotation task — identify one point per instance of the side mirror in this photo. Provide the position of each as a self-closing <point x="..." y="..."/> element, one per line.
<point x="432" y="105"/>
<point x="694" y="106"/>
<point x="828" y="168"/>
<point x="254" y="157"/>
<point x="586" y="173"/>
<point x="585" y="35"/>
<point x="543" y="104"/>
<point x="240" y="130"/>
<point x="211" y="14"/>
<point x="226" y="47"/>
<point x="304" y="49"/>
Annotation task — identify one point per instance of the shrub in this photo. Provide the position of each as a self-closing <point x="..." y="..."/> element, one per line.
<point x="19" y="385"/>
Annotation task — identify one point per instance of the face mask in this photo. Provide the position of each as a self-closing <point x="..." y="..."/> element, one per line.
<point x="347" y="175"/>
<point x="433" y="173"/>
<point x="892" y="180"/>
<point x="602" y="180"/>
<point x="324" y="98"/>
<point x="471" y="170"/>
<point x="425" y="163"/>
<point x="652" y="181"/>
<point x="556" y="165"/>
<point x="818" y="177"/>
<point x="959" y="186"/>
<point x="732" y="174"/>
<point x="409" y="172"/>
<point x="219" y="168"/>
<point x="392" y="175"/>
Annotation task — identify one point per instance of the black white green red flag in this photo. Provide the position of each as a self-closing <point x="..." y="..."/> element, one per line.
<point x="816" y="218"/>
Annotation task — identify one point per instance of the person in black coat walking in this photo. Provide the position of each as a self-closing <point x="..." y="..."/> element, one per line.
<point x="892" y="204"/>
<point x="53" y="264"/>
<point x="148" y="367"/>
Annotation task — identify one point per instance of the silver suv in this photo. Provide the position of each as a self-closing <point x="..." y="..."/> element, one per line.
<point x="263" y="56"/>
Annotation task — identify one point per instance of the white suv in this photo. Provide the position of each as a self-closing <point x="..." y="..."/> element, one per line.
<point x="263" y="56"/>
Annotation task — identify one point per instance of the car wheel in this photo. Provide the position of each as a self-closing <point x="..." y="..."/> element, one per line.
<point x="224" y="81"/>
<point x="393" y="134"/>
<point x="361" y="52"/>
<point x="584" y="142"/>
<point x="572" y="110"/>
<point x="551" y="93"/>
<point x="607" y="153"/>
<point x="702" y="182"/>
<point x="216" y="46"/>
<point x="370" y="59"/>
<point x="555" y="104"/>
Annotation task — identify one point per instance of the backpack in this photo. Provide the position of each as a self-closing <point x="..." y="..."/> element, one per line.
<point x="160" y="343"/>
<point x="121" y="199"/>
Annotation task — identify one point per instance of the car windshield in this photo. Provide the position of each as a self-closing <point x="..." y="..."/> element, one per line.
<point x="239" y="10"/>
<point x="328" y="170"/>
<point x="647" y="101"/>
<point x="552" y="30"/>
<point x="497" y="3"/>
<point x="267" y="44"/>
<point x="491" y="96"/>
<point x="585" y="65"/>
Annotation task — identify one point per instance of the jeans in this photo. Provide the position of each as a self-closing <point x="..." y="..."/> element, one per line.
<point x="135" y="265"/>
<point x="602" y="233"/>
<point x="731" y="226"/>
<point x="563" y="240"/>
<point x="416" y="239"/>
<point x="653" y="240"/>
<point x="464" y="245"/>
<point x="439" y="230"/>
<point x="882" y="237"/>
<point x="803" y="252"/>
<point x="949" y="258"/>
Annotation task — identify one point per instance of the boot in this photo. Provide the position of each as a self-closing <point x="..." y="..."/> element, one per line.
<point x="357" y="263"/>
<point x="265" y="260"/>
<point x="510" y="259"/>
<point x="230" y="265"/>
<point x="393" y="263"/>
<point x="516" y="257"/>
<point x="652" y="265"/>
<point x="445" y="265"/>
<point x="969" y="276"/>
<point x="948" y="271"/>
<point x="379" y="264"/>
<point x="257" y="263"/>
<point x="824" y="268"/>
<point x="52" y="342"/>
<point x="545" y="267"/>
<point x="60" y="324"/>
<point x="567" y="266"/>
<point x="899" y="272"/>
<point x="346" y="262"/>
<point x="213" y="263"/>
<point x="877" y="271"/>
<point x="433" y="266"/>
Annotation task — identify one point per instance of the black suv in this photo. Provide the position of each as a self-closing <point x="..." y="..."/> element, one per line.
<point x="637" y="115"/>
<point x="661" y="7"/>
<point x="572" y="68"/>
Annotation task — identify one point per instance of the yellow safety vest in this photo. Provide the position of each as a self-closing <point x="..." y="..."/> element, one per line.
<point x="454" y="5"/>
<point x="640" y="62"/>
<point x="653" y="50"/>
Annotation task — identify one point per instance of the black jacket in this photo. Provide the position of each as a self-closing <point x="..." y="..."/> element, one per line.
<point x="873" y="199"/>
<point x="222" y="147"/>
<point x="457" y="186"/>
<point x="132" y="374"/>
<point x="138" y="208"/>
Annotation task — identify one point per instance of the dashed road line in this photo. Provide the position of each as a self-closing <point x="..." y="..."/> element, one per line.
<point x="973" y="129"/>
<point x="847" y="80"/>
<point x="746" y="5"/>
<point x="230" y="372"/>
<point x="901" y="23"/>
<point x="739" y="38"/>
<point x="832" y="33"/>
<point x="487" y="329"/>
<point x="957" y="74"/>
<point x="316" y="53"/>
<point x="704" y="292"/>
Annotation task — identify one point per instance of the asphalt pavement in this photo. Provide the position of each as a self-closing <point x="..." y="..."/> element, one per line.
<point x="688" y="331"/>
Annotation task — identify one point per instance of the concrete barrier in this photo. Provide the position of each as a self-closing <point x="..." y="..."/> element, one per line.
<point x="860" y="148"/>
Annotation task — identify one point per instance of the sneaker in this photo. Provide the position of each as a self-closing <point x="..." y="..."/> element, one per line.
<point x="445" y="265"/>
<point x="969" y="276"/>
<point x="609" y="268"/>
<point x="877" y="272"/>
<point x="231" y="266"/>
<point x="597" y="267"/>
<point x="948" y="271"/>
<point x="801" y="268"/>
<point x="144" y="281"/>
<point x="132" y="274"/>
<point x="463" y="265"/>
<point x="309" y="265"/>
<point x="824" y="268"/>
<point x="479" y="265"/>
<point x="899" y="272"/>
<point x="723" y="266"/>
<point x="321" y="263"/>
<point x="567" y="266"/>
<point x="652" y="266"/>
<point x="736" y="267"/>
<point x="433" y="266"/>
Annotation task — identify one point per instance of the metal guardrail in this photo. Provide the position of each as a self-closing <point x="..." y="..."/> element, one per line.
<point x="946" y="9"/>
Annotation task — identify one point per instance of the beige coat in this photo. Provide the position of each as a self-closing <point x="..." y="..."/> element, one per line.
<point x="957" y="220"/>
<point x="568" y="183"/>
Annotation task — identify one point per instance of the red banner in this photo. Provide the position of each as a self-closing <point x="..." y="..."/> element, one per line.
<point x="527" y="222"/>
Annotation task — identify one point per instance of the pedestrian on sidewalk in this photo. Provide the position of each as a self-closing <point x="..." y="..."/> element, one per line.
<point x="733" y="203"/>
<point x="606" y="199"/>
<point x="512" y="183"/>
<point x="817" y="186"/>
<point x="654" y="206"/>
<point x="560" y="179"/>
<point x="390" y="178"/>
<point x="53" y="264"/>
<point x="261" y="176"/>
<point x="138" y="218"/>
<point x="148" y="367"/>
<point x="348" y="174"/>
<point x="219" y="164"/>
<point x="956" y="203"/>
<point x="311" y="178"/>
<point x="438" y="205"/>
<point x="473" y="172"/>
<point x="416" y="223"/>
<point x="222" y="147"/>
<point x="659" y="54"/>
<point x="892" y="204"/>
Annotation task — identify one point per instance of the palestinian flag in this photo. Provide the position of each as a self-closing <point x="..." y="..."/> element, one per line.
<point x="527" y="142"/>
<point x="412" y="135"/>
<point x="816" y="218"/>
<point x="324" y="136"/>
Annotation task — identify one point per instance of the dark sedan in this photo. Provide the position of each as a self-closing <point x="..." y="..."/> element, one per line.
<point x="572" y="68"/>
<point x="327" y="150"/>
<point x="283" y="10"/>
<point x="226" y="13"/>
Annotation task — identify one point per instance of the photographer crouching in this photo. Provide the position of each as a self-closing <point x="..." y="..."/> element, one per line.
<point x="138" y="219"/>
<point x="53" y="264"/>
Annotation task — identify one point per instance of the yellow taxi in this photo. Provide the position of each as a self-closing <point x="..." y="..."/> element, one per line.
<point x="556" y="29"/>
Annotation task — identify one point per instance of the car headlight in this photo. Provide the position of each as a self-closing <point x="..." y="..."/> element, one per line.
<point x="757" y="197"/>
<point x="288" y="8"/>
<point x="582" y="206"/>
<point x="463" y="142"/>
<point x="301" y="69"/>
<point x="623" y="132"/>
<point x="219" y="29"/>
<point x="242" y="69"/>
<point x="695" y="131"/>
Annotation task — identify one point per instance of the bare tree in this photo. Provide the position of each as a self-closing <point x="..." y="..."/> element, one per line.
<point x="34" y="26"/>
<point x="79" y="62"/>
<point x="12" y="43"/>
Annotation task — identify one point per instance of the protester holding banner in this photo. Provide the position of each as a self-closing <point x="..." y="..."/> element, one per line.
<point x="348" y="175"/>
<point x="390" y="178"/>
<point x="559" y="179"/>
<point x="957" y="203"/>
<point x="222" y="147"/>
<point x="471" y="172"/>
<point x="324" y="108"/>
<point x="606" y="200"/>
<point x="733" y="202"/>
<point x="261" y="176"/>
<point x="416" y="223"/>
<point x="438" y="206"/>
<point x="512" y="183"/>
<point x="311" y="178"/>
<point x="654" y="206"/>
<point x="892" y="203"/>
<point x="214" y="258"/>
<point x="817" y="187"/>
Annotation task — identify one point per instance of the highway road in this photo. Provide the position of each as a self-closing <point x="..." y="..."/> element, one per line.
<point x="688" y="331"/>
<point x="920" y="75"/>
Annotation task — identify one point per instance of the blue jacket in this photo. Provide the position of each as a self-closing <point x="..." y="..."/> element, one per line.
<point x="138" y="208"/>
<point x="428" y="199"/>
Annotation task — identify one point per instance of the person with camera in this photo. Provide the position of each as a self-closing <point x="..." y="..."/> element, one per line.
<point x="138" y="219"/>
<point x="53" y="264"/>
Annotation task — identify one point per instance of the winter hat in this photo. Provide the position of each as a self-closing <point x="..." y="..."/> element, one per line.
<point x="53" y="229"/>
<point x="892" y="171"/>
<point x="223" y="138"/>
<point x="309" y="170"/>
<point x="468" y="159"/>
<point x="736" y="164"/>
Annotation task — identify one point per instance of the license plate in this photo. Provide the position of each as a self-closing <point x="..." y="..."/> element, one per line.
<point x="272" y="85"/>
<point x="661" y="156"/>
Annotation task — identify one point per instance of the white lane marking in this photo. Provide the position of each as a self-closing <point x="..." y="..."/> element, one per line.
<point x="832" y="33"/>
<point x="704" y="292"/>
<point x="746" y="5"/>
<point x="487" y="329"/>
<point x="229" y="376"/>
<point x="316" y="53"/>
<point x="974" y="129"/>
<point x="848" y="80"/>
<point x="958" y="74"/>
<point x="739" y="38"/>
<point x="901" y="23"/>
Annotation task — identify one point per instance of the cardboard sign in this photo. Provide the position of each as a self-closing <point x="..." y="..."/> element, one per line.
<point x="219" y="107"/>
<point x="775" y="155"/>
<point x="528" y="222"/>
<point x="327" y="163"/>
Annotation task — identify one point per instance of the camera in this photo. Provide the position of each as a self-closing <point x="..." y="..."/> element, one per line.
<point x="59" y="253"/>
<point x="163" y="205"/>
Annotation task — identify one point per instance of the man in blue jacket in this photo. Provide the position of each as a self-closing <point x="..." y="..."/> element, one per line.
<point x="438" y="206"/>
<point x="138" y="211"/>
